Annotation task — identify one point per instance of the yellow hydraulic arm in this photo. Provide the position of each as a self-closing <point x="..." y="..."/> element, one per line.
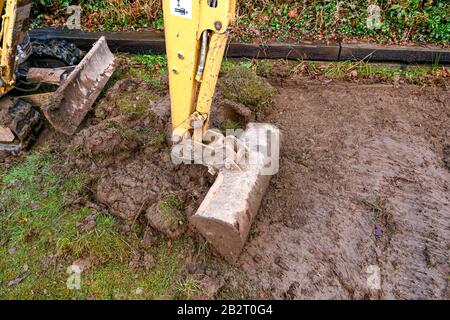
<point x="196" y="36"/>
<point x="14" y="20"/>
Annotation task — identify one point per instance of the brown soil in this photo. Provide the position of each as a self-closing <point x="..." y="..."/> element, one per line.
<point x="129" y="165"/>
<point x="363" y="182"/>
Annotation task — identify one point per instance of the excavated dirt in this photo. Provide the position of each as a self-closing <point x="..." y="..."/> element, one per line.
<point x="364" y="186"/>
<point x="128" y="161"/>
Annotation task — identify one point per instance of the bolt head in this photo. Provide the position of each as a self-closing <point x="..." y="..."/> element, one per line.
<point x="218" y="25"/>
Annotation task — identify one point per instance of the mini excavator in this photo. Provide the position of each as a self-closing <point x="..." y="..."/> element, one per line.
<point x="196" y="33"/>
<point x="29" y="73"/>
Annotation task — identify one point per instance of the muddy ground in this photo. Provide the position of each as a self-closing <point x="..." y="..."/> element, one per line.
<point x="363" y="186"/>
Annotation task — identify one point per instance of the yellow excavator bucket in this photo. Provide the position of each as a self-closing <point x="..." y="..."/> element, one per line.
<point x="66" y="108"/>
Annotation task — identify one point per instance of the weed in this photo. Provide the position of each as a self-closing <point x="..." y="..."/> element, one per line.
<point x="157" y="139"/>
<point x="150" y="61"/>
<point x="264" y="68"/>
<point x="188" y="287"/>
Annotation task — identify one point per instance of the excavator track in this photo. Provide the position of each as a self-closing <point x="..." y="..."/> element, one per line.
<point x="19" y="116"/>
<point x="23" y="120"/>
<point x="57" y="49"/>
<point x="50" y="54"/>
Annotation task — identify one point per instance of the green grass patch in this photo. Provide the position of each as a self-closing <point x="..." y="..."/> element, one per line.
<point x="158" y="139"/>
<point x="341" y="70"/>
<point x="171" y="208"/>
<point x="118" y="281"/>
<point x="188" y="287"/>
<point x="40" y="229"/>
<point x="136" y="103"/>
<point x="147" y="75"/>
<point x="150" y="61"/>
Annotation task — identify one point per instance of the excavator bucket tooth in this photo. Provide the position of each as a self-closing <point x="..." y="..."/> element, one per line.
<point x="225" y="216"/>
<point x="66" y="107"/>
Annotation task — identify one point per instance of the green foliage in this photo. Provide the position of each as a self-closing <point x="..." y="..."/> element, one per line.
<point x="148" y="67"/>
<point x="405" y="20"/>
<point x="150" y="60"/>
<point x="401" y="21"/>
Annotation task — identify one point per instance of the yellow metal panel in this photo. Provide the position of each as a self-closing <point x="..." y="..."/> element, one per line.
<point x="182" y="53"/>
<point x="16" y="14"/>
<point x="211" y="17"/>
<point x="7" y="60"/>
<point x="184" y="23"/>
